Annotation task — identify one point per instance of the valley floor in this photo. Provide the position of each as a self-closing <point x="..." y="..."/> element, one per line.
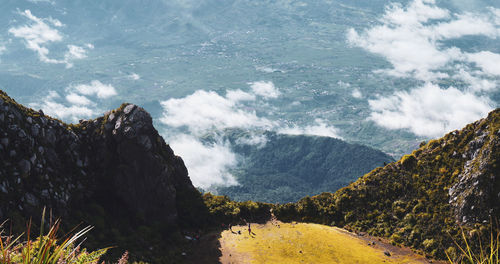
<point x="276" y="242"/>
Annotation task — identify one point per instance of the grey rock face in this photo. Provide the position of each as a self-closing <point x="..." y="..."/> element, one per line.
<point x="120" y="162"/>
<point x="474" y="189"/>
<point x="24" y="167"/>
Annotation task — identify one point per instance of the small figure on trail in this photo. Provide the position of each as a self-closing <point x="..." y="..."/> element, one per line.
<point x="197" y="235"/>
<point x="231" y="228"/>
<point x="249" y="229"/>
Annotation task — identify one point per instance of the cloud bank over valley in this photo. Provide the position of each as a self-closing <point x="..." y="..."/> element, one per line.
<point x="191" y="118"/>
<point x="412" y="39"/>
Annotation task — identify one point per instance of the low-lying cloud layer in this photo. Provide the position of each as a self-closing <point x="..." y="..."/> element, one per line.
<point x="265" y="89"/>
<point x="208" y="163"/>
<point x="319" y="128"/>
<point x="80" y="101"/>
<point x="207" y="112"/>
<point x="203" y="111"/>
<point x="412" y="38"/>
<point x="39" y="33"/>
<point x="428" y="110"/>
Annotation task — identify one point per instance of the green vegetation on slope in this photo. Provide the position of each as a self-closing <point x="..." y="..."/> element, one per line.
<point x="420" y="200"/>
<point x="289" y="167"/>
<point x="225" y="211"/>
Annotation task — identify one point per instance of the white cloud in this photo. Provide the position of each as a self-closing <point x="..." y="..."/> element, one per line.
<point x="75" y="52"/>
<point x="413" y="45"/>
<point x="266" y="69"/>
<point x="79" y="102"/>
<point x="320" y="128"/>
<point x="95" y="87"/>
<point x="42" y="1"/>
<point x="259" y="140"/>
<point x="265" y="89"/>
<point x="53" y="105"/>
<point x="343" y="84"/>
<point x="476" y="84"/>
<point x="207" y="112"/>
<point x="77" y="99"/>
<point x="239" y="95"/>
<point x="356" y="93"/>
<point x="208" y="164"/>
<point x="203" y="111"/>
<point x="38" y="33"/>
<point x="414" y="39"/>
<point x="486" y="60"/>
<point x="417" y="12"/>
<point x="496" y="14"/>
<point x="429" y="110"/>
<point x="466" y="25"/>
<point x="2" y="49"/>
<point x="134" y="76"/>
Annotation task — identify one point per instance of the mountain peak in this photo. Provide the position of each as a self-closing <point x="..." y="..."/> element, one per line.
<point x="117" y="162"/>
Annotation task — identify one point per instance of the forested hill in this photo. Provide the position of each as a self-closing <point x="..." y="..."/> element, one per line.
<point x="289" y="167"/>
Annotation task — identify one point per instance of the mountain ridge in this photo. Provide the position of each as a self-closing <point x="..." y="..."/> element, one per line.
<point x="424" y="199"/>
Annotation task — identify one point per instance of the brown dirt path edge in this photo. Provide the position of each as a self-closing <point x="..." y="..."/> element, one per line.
<point x="395" y="251"/>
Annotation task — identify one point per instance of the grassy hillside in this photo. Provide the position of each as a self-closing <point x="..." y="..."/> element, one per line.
<point x="289" y="167"/>
<point x="424" y="198"/>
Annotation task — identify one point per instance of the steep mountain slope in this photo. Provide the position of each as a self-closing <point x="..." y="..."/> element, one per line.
<point x="115" y="173"/>
<point x="289" y="167"/>
<point x="422" y="199"/>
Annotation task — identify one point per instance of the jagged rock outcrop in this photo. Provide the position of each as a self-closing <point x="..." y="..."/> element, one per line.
<point x="423" y="199"/>
<point x="118" y="162"/>
<point x="475" y="195"/>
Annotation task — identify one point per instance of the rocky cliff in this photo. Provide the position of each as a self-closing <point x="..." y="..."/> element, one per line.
<point x="423" y="199"/>
<point x="108" y="171"/>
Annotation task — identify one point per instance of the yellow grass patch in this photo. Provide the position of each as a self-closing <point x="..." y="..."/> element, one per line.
<point x="303" y="243"/>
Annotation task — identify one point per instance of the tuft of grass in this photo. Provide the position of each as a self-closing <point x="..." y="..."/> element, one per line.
<point x="47" y="248"/>
<point x="485" y="254"/>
